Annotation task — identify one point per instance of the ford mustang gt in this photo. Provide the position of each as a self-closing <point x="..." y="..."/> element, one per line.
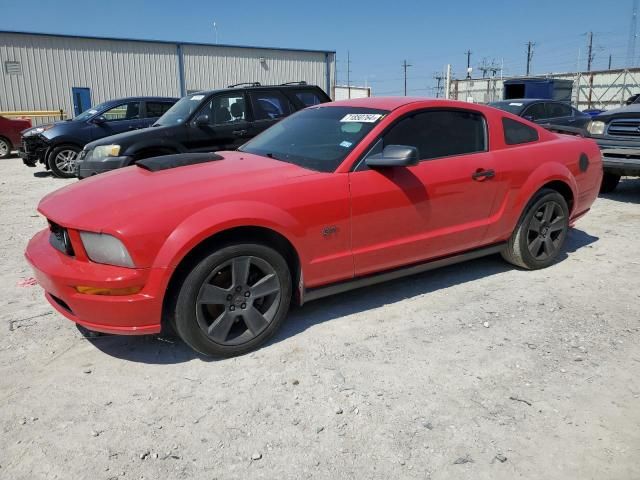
<point x="335" y="197"/>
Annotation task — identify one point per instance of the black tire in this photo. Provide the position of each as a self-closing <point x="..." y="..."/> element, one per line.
<point x="220" y="310"/>
<point x="61" y="161"/>
<point x="540" y="234"/>
<point x="5" y="147"/>
<point x="609" y="182"/>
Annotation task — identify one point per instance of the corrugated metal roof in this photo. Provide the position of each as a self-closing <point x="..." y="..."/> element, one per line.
<point x="171" y="42"/>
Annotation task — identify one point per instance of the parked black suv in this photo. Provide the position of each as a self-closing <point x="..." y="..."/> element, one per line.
<point x="618" y="135"/>
<point x="57" y="145"/>
<point x="202" y="122"/>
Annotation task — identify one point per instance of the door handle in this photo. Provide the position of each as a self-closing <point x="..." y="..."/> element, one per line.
<point x="482" y="174"/>
<point x="239" y="133"/>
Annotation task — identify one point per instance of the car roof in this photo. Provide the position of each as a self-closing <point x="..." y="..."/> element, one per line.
<point x="525" y="101"/>
<point x="294" y="86"/>
<point x="138" y="99"/>
<point x="393" y="103"/>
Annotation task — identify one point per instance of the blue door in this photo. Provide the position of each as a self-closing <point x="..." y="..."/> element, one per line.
<point x="81" y="99"/>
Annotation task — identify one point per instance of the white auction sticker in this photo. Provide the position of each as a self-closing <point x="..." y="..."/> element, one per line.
<point x="361" y="117"/>
<point x="197" y="97"/>
<point x="345" y="144"/>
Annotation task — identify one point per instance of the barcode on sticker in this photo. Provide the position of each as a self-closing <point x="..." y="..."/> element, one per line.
<point x="361" y="117"/>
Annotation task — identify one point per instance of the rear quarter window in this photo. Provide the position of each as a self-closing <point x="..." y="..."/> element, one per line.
<point x="516" y="133"/>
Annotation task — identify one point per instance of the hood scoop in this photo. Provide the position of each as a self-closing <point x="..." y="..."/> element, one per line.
<point x="166" y="162"/>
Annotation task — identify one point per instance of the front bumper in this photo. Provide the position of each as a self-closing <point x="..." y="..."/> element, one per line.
<point x="33" y="149"/>
<point x="87" y="167"/>
<point x="620" y="158"/>
<point x="58" y="274"/>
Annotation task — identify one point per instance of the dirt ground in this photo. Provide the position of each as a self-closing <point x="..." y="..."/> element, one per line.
<point x="476" y="371"/>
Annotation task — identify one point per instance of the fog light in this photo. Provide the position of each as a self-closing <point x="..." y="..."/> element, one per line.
<point x="107" y="291"/>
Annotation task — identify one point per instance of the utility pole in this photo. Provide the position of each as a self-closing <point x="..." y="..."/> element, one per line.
<point x="439" y="77"/>
<point x="468" y="53"/>
<point x="631" y="45"/>
<point x="348" y="74"/>
<point x="484" y="68"/>
<point x="609" y="61"/>
<point x="405" y="65"/>
<point x="530" y="46"/>
<point x="590" y="52"/>
<point x="447" y="85"/>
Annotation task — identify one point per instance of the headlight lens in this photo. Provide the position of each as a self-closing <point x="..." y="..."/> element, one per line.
<point x="36" y="130"/>
<point x="103" y="248"/>
<point x="596" y="127"/>
<point x="103" y="151"/>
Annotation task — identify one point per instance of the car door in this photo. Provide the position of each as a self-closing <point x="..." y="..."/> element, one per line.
<point x="154" y="109"/>
<point x="441" y="206"/>
<point x="268" y="107"/>
<point x="559" y="114"/>
<point x="120" y="118"/>
<point x="221" y="123"/>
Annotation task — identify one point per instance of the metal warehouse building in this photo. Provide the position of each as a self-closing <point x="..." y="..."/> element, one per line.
<point x="71" y="73"/>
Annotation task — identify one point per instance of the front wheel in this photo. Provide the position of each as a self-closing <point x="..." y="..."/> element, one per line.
<point x="233" y="300"/>
<point x="5" y="148"/>
<point x="541" y="232"/>
<point x="62" y="161"/>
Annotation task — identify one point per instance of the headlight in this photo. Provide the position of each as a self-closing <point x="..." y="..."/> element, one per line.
<point x="103" y="151"/>
<point x="36" y="130"/>
<point x="596" y="127"/>
<point x="103" y="248"/>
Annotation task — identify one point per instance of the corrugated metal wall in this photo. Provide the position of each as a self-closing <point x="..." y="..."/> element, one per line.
<point x="209" y="67"/>
<point x="51" y="65"/>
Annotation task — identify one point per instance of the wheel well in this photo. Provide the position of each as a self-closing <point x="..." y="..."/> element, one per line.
<point x="6" y="140"/>
<point x="264" y="236"/>
<point x="563" y="189"/>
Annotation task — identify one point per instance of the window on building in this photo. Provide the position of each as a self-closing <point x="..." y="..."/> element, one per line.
<point x="516" y="132"/>
<point x="13" y="68"/>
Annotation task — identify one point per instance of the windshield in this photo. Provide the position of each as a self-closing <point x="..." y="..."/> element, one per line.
<point x="181" y="110"/>
<point x="511" y="107"/>
<point x="318" y="138"/>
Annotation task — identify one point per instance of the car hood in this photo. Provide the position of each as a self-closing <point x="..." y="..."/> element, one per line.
<point x="111" y="202"/>
<point x="632" y="111"/>
<point x="127" y="138"/>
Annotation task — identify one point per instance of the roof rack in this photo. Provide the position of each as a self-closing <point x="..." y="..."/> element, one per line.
<point x="251" y="84"/>
<point x="302" y="82"/>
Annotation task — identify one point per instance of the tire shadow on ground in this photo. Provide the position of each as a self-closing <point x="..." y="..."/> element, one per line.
<point x="153" y="349"/>
<point x="627" y="191"/>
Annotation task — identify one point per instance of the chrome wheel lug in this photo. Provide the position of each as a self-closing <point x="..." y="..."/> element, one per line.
<point x="229" y="297"/>
<point x="247" y="294"/>
<point x="243" y="306"/>
<point x="232" y="308"/>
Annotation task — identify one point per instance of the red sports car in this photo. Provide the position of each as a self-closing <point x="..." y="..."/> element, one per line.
<point x="10" y="129"/>
<point x="335" y="197"/>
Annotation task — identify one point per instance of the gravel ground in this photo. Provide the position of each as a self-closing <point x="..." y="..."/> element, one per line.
<point x="477" y="371"/>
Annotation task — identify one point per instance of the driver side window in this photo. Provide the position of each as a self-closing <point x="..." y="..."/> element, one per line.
<point x="126" y="111"/>
<point x="225" y="109"/>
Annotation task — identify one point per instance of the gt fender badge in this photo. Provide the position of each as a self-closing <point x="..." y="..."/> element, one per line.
<point x="330" y="230"/>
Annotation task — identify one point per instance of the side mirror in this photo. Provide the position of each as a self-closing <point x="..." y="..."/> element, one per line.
<point x="202" y="120"/>
<point x="99" y="120"/>
<point x="394" y="156"/>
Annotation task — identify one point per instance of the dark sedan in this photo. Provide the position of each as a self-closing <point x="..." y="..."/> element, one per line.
<point x="545" y="112"/>
<point x="57" y="145"/>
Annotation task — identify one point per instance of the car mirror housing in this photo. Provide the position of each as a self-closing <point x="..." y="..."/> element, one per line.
<point x="99" y="120"/>
<point x="202" y="120"/>
<point x="394" y="156"/>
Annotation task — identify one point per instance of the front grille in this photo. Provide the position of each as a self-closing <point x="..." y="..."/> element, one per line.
<point x="59" y="239"/>
<point x="624" y="127"/>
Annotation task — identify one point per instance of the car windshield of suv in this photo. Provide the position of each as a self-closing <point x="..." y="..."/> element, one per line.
<point x="318" y="138"/>
<point x="87" y="114"/>
<point x="181" y="110"/>
<point x="511" y="107"/>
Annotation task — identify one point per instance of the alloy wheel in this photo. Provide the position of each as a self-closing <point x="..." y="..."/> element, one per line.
<point x="546" y="228"/>
<point x="4" y="148"/>
<point x="238" y="300"/>
<point x="66" y="161"/>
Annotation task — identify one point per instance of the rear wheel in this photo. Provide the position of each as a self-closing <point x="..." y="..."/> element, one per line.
<point x="62" y="161"/>
<point x="233" y="300"/>
<point x="609" y="182"/>
<point x="5" y="148"/>
<point x="541" y="232"/>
